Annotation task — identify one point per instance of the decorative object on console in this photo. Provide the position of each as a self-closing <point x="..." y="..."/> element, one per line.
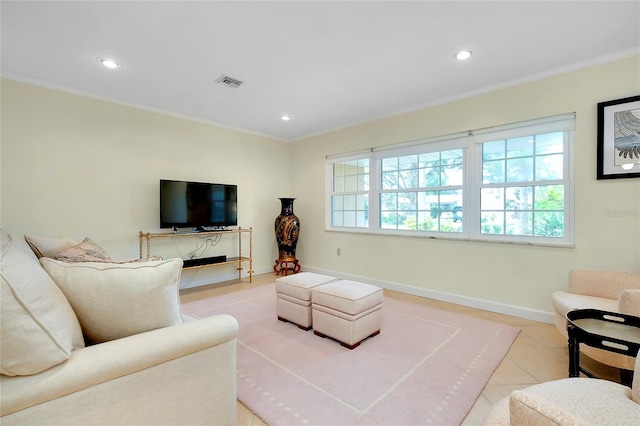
<point x="287" y="227"/>
<point x="619" y="138"/>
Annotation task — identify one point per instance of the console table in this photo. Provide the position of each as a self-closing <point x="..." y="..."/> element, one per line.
<point x="610" y="331"/>
<point x="238" y="260"/>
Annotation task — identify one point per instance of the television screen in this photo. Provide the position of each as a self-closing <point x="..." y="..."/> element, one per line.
<point x="197" y="204"/>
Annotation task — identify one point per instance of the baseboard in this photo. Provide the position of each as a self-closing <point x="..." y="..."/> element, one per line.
<point x="487" y="305"/>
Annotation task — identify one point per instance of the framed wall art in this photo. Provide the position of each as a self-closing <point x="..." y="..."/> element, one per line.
<point x="619" y="138"/>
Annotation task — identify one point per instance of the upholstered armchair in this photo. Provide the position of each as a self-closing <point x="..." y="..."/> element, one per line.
<point x="571" y="401"/>
<point x="611" y="291"/>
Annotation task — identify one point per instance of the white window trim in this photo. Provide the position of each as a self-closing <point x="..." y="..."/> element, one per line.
<point x="470" y="142"/>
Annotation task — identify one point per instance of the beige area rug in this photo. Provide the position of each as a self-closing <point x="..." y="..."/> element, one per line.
<point x="426" y="366"/>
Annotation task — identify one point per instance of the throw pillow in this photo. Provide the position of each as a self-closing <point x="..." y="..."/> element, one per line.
<point x="38" y="328"/>
<point x="118" y="300"/>
<point x="46" y="246"/>
<point x="86" y="251"/>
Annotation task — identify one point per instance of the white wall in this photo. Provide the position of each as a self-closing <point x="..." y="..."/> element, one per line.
<point x="505" y="278"/>
<point x="82" y="167"/>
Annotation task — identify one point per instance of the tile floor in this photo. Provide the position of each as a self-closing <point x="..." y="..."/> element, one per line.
<point x="539" y="353"/>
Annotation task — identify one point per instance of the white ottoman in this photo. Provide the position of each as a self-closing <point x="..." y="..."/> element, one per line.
<point x="293" y="293"/>
<point x="347" y="311"/>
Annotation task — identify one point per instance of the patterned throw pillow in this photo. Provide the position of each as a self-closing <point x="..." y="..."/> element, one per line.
<point x="86" y="251"/>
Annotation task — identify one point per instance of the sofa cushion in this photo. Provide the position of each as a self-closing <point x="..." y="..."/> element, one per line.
<point x="118" y="300"/>
<point x="86" y="251"/>
<point x="46" y="246"/>
<point x="564" y="302"/>
<point x="37" y="325"/>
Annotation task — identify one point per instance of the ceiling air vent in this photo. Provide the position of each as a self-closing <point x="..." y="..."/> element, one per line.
<point x="225" y="80"/>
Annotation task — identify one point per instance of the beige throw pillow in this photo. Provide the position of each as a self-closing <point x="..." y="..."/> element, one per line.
<point x="46" y="246"/>
<point x="38" y="328"/>
<point x="118" y="300"/>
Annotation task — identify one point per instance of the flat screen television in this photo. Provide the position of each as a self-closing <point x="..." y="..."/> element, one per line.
<point x="197" y="204"/>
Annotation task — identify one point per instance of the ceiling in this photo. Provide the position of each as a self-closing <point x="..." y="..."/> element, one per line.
<point x="327" y="64"/>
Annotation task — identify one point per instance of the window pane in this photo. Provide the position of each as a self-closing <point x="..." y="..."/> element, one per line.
<point x="549" y="224"/>
<point x="431" y="159"/>
<point x="493" y="150"/>
<point x="452" y="157"/>
<point x="407" y="201"/>
<point x="429" y="177"/>
<point x="549" y="167"/>
<point x="351" y="183"/>
<point x="519" y="198"/>
<point x="350" y="218"/>
<point x="520" y="147"/>
<point x="363" y="165"/>
<point x="550" y="143"/>
<point x="390" y="180"/>
<point x="388" y="201"/>
<point x="338" y="169"/>
<point x="493" y="171"/>
<point x="520" y="169"/>
<point x="337" y="218"/>
<point x="492" y="199"/>
<point x="408" y="162"/>
<point x="389" y="164"/>
<point x="452" y="175"/>
<point x="361" y="219"/>
<point x="338" y="184"/>
<point x="519" y="223"/>
<point x="549" y="197"/>
<point x="337" y="202"/>
<point x="408" y="179"/>
<point x="492" y="222"/>
<point x="389" y="220"/>
<point x="349" y="202"/>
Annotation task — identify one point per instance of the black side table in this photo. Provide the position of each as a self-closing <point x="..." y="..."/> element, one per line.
<point x="610" y="331"/>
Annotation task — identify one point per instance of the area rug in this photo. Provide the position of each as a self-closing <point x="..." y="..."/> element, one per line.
<point x="426" y="366"/>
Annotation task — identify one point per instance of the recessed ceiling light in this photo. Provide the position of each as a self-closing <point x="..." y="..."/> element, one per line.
<point x="463" y="54"/>
<point x="109" y="63"/>
<point x="285" y="118"/>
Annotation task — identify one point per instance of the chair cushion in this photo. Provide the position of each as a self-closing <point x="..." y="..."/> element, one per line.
<point x="118" y="300"/>
<point x="574" y="401"/>
<point x="38" y="327"/>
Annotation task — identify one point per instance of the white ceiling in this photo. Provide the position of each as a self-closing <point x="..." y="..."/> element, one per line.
<point x="328" y="64"/>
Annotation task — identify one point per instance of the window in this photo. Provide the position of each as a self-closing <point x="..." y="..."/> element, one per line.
<point x="522" y="190"/>
<point x="350" y="193"/>
<point x="509" y="183"/>
<point x="421" y="191"/>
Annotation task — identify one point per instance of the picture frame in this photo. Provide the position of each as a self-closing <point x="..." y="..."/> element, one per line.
<point x="619" y="138"/>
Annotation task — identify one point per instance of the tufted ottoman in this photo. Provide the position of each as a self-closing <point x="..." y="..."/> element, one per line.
<point x="347" y="311"/>
<point x="293" y="302"/>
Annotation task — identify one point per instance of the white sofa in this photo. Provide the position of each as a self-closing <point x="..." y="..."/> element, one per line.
<point x="149" y="367"/>
<point x="611" y="291"/>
